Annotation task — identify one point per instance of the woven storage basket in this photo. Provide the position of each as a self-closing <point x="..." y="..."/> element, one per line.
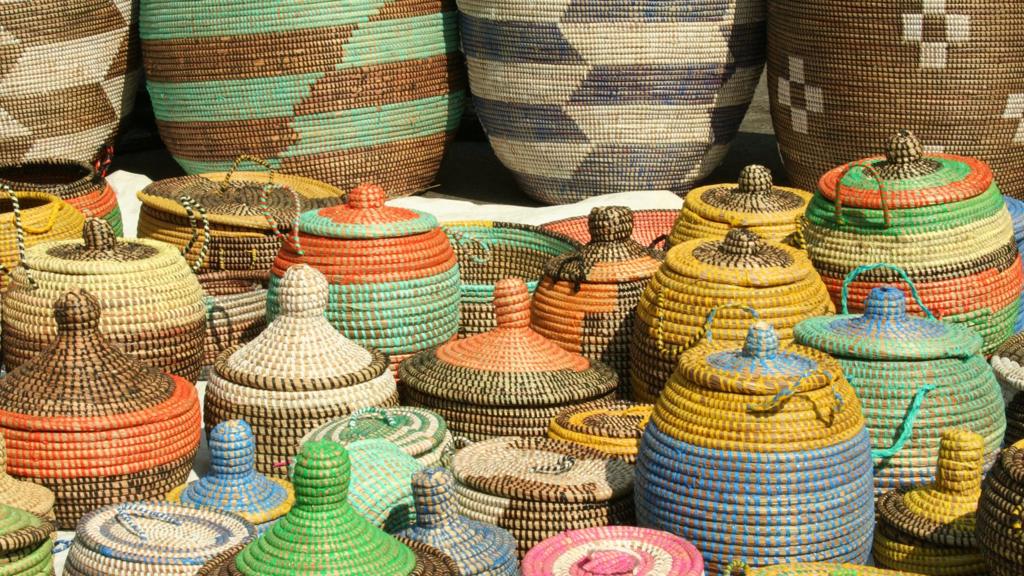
<point x="614" y="551"/>
<point x="1016" y="209"/>
<point x="758" y="454"/>
<point x="477" y="548"/>
<point x="583" y="98"/>
<point x="236" y="312"/>
<point x="700" y="275"/>
<point x="930" y="530"/>
<point x="536" y="488"/>
<point x="507" y="382"/>
<point x="420" y="433"/>
<point x="587" y="301"/>
<point x="381" y="486"/>
<point x="916" y="377"/>
<point x="491" y="251"/>
<point x="376" y="94"/>
<point x="773" y="212"/>
<point x="393" y="274"/>
<point x="30" y="218"/>
<point x="650" y="227"/>
<point x="152" y="304"/>
<point x="70" y="70"/>
<point x="1008" y="366"/>
<point x="153" y="538"/>
<point x="34" y="498"/>
<point x="613" y="428"/>
<point x="998" y="519"/>
<point x="816" y="569"/>
<point x="93" y="424"/>
<point x="77" y="183"/>
<point x="26" y="546"/>
<point x="939" y="217"/>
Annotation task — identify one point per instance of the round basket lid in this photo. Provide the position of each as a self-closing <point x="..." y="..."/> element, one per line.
<point x="1008" y="362"/>
<point x="886" y="332"/>
<point x="619" y="419"/>
<point x="614" y="551"/>
<point x="364" y="215"/>
<point x="611" y="255"/>
<point x="21" y="530"/>
<point x="544" y="470"/>
<point x="34" y="498"/>
<point x="752" y="201"/>
<point x="416" y="431"/>
<point x="101" y="252"/>
<point x="742" y="258"/>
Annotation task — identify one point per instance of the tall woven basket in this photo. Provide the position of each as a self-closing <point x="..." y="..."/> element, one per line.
<point x="77" y="183"/>
<point x="841" y="79"/>
<point x="585" y="98"/>
<point x="344" y="92"/>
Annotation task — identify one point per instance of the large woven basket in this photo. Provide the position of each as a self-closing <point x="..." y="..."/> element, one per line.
<point x="998" y="519"/>
<point x="26" y="545"/>
<point x="30" y="218"/>
<point x="939" y="217"/>
<point x="700" y="275"/>
<point x="758" y="454"/>
<point x="344" y="93"/>
<point x="650" y="227"/>
<point x="614" y="428"/>
<point x="77" y="183"/>
<point x="587" y="98"/>
<point x="93" y="424"/>
<point x="614" y="550"/>
<point x="420" y="433"/>
<point x="69" y="73"/>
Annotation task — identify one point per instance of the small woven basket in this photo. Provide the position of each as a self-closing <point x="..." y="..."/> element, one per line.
<point x="614" y="428"/>
<point x="998" y="519"/>
<point x="614" y="551"/>
<point x="30" y="218"/>
<point x="1008" y="366"/>
<point x="34" y="498"/>
<point x="815" y="569"/>
<point x="77" y="183"/>
<point x="1016" y="209"/>
<point x="26" y="544"/>
<point x="650" y="227"/>
<point x="420" y="433"/>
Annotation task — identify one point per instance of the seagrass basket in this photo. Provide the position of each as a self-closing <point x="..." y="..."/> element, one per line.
<point x="75" y="182"/>
<point x="26" y="544"/>
<point x="614" y="550"/>
<point x="1008" y="365"/>
<point x="815" y="569"/>
<point x="34" y="498"/>
<point x="381" y="486"/>
<point x="650" y="227"/>
<point x="614" y="428"/>
<point x="420" y="433"/>
<point x="997" y="520"/>
<point x="30" y="218"/>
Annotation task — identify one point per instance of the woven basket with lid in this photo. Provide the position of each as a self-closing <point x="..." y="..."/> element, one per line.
<point x="614" y="551"/>
<point x="30" y="218"/>
<point x="1008" y="366"/>
<point x="420" y="433"/>
<point x="703" y="274"/>
<point x="998" y="522"/>
<point x="587" y="301"/>
<point x="26" y="546"/>
<point x="34" y="498"/>
<point x="614" y="428"/>
<point x="507" y="382"/>
<point x="759" y="454"/>
<point x="93" y="424"/>
<point x="939" y="217"/>
<point x="77" y="183"/>
<point x="816" y="569"/>
<point x="536" y="487"/>
<point x="916" y="377"/>
<point x="296" y="375"/>
<point x="649" y="226"/>
<point x="1016" y="209"/>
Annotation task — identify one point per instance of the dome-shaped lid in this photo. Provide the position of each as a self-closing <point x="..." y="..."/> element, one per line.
<point x="909" y="178"/>
<point x="300" y="350"/>
<point x="34" y="498"/>
<point x="544" y="470"/>
<point x="742" y="258"/>
<point x="80" y="374"/>
<point x="512" y="363"/>
<point x="885" y="331"/>
<point x="751" y="201"/>
<point x="1008" y="362"/>
<point x="323" y="534"/>
<point x="416" y="431"/>
<point x="381" y="485"/>
<point x="21" y="530"/>
<point x="617" y="419"/>
<point x="364" y="215"/>
<point x="611" y="255"/>
<point x="233" y="484"/>
<point x="614" y="551"/>
<point x="101" y="252"/>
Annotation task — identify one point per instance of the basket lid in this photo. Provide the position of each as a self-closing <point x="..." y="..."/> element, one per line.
<point x="416" y="431"/>
<point x="614" y="551"/>
<point x="22" y="530"/>
<point x="617" y="419"/>
<point x="742" y="258"/>
<point x="34" y="498"/>
<point x="364" y="215"/>
<point x="751" y="201"/>
<point x="323" y="534"/>
<point x="80" y="374"/>
<point x="885" y="331"/>
<point x="544" y="470"/>
<point x="611" y="255"/>
<point x="1008" y="362"/>
<point x="101" y="252"/>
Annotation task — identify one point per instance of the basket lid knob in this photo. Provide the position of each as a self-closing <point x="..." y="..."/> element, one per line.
<point x="512" y="303"/>
<point x="321" y="475"/>
<point x="885" y="303"/>
<point x="77" y="311"/>
<point x="904" y="148"/>
<point x="303" y="292"/>
<point x="610" y="224"/>
<point x="740" y="242"/>
<point x="98" y="234"/>
<point x="433" y="491"/>
<point x="612" y="562"/>
<point x="762" y="341"/>
<point x="232" y="449"/>
<point x="367" y="196"/>
<point x="961" y="460"/>
<point x="755" y="179"/>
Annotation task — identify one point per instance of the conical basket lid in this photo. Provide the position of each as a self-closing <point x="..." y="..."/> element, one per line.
<point x="751" y="201"/>
<point x="34" y="498"/>
<point x="742" y="258"/>
<point x="611" y="255"/>
<point x="364" y="215"/>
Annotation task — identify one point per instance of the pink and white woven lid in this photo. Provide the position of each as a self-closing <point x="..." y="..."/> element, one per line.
<point x="614" y="551"/>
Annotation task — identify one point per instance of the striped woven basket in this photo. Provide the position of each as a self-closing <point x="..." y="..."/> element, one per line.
<point x="420" y="433"/>
<point x="236" y="312"/>
<point x="815" y="569"/>
<point x="30" y="218"/>
<point x="26" y="546"/>
<point x="381" y="486"/>
<point x="69" y="73"/>
<point x="613" y="428"/>
<point x="584" y="98"/>
<point x="998" y="519"/>
<point x="1016" y="209"/>
<point x="700" y="275"/>
<point x="93" y="424"/>
<point x="758" y="454"/>
<point x="491" y="251"/>
<point x="77" y="183"/>
<point x="614" y="550"/>
<point x="344" y="93"/>
<point x="1008" y="366"/>
<point x="152" y="303"/>
<point x="587" y="301"/>
<point x="31" y="497"/>
<point x="650" y="227"/>
<point x="939" y="217"/>
<point x="916" y="377"/>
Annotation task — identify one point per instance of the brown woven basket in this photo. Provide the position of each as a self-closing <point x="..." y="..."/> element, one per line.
<point x="998" y="520"/>
<point x="77" y="183"/>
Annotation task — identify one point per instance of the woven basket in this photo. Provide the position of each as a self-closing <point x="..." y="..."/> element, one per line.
<point x="381" y="485"/>
<point x="420" y="433"/>
<point x="650" y="227"/>
<point x="536" y="488"/>
<point x="939" y="217"/>
<point x="393" y="274"/>
<point x="1016" y="209"/>
<point x="758" y="454"/>
<point x="816" y="569"/>
<point x="30" y="218"/>
<point x="77" y="183"/>
<point x="70" y="70"/>
<point x="916" y="377"/>
<point x="584" y="98"/>
<point x="614" y="551"/>
<point x="507" y="382"/>
<point x="236" y="312"/>
<point x="998" y="519"/>
<point x="492" y="251"/>
<point x="375" y="95"/>
<point x="700" y="275"/>
<point x="152" y="304"/>
<point x="34" y="498"/>
<point x="1008" y="366"/>
<point x="296" y="375"/>
<point x="26" y="546"/>
<point x="613" y="428"/>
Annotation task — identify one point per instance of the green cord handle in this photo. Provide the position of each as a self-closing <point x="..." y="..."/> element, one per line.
<point x="906" y="428"/>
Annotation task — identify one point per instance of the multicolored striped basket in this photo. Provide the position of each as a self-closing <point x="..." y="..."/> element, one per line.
<point x="420" y="433"/>
<point x="1008" y="365"/>
<point x="700" y="275"/>
<point x="916" y="377"/>
<point x="93" y="424"/>
<point x="1016" y="209"/>
<point x="758" y="454"/>
<point x="650" y="227"/>
<point x="477" y="548"/>
<point x="26" y="545"/>
<point x="998" y="519"/>
<point x="587" y="301"/>
<point x="584" y="98"/>
<point x="507" y="382"/>
<point x="298" y="374"/>
<point x="30" y="218"/>
<point x="34" y="498"/>
<point x="814" y="569"/>
<point x="536" y="488"/>
<point x="492" y="251"/>
<point x="375" y="95"/>
<point x="939" y="217"/>
<point x="75" y="182"/>
<point x="381" y="486"/>
<point x="614" y="551"/>
<point x="613" y="428"/>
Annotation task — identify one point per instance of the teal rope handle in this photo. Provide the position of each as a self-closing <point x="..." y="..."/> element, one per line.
<point x="730" y="305"/>
<point x="906" y="428"/>
<point x="869" y="267"/>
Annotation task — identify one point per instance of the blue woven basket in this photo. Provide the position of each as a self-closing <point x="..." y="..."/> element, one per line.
<point x="1016" y="208"/>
